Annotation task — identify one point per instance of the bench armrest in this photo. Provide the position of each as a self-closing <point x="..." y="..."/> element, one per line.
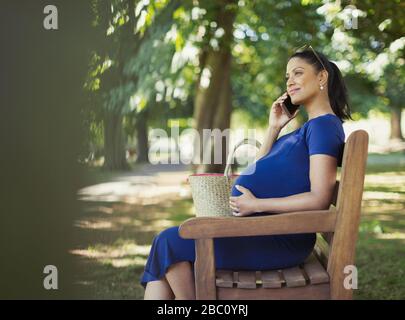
<point x="285" y="223"/>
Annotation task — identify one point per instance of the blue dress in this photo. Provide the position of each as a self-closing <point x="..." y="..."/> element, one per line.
<point x="282" y="172"/>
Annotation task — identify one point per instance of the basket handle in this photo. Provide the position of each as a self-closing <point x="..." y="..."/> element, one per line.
<point x="250" y="141"/>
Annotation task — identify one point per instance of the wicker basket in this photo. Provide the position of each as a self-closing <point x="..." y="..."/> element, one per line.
<point x="211" y="191"/>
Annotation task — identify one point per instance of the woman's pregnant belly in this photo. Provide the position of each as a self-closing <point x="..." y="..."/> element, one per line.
<point x="275" y="176"/>
<point x="257" y="180"/>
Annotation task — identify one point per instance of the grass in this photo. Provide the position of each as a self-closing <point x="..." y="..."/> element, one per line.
<point x="380" y="249"/>
<point x="113" y="242"/>
<point x="114" y="238"/>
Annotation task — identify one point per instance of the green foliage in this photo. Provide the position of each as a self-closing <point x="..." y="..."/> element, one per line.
<point x="373" y="52"/>
<point x="150" y="54"/>
<point x="362" y="99"/>
<point x="151" y="63"/>
<point x="393" y="83"/>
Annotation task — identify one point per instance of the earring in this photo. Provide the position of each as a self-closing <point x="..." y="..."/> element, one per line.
<point x="321" y="87"/>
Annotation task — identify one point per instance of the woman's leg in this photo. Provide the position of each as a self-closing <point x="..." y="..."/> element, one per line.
<point x="181" y="280"/>
<point x="158" y="290"/>
<point x="168" y="273"/>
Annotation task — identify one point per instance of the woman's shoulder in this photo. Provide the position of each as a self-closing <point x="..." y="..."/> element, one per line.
<point x="326" y="120"/>
<point x="326" y="124"/>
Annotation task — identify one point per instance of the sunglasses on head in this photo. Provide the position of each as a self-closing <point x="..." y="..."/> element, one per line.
<point x="305" y="48"/>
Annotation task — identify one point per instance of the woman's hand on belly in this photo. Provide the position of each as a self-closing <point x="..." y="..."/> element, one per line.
<point x="245" y="204"/>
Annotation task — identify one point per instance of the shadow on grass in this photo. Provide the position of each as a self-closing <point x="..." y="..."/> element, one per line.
<point x="380" y="263"/>
<point x="380" y="250"/>
<point x="113" y="242"/>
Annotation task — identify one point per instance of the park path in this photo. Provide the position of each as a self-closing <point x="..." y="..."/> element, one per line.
<point x="147" y="184"/>
<point x="120" y="215"/>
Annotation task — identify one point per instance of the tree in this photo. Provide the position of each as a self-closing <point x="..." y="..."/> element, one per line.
<point x="382" y="32"/>
<point x="123" y="79"/>
<point x="105" y="79"/>
<point x="212" y="106"/>
<point x="394" y="79"/>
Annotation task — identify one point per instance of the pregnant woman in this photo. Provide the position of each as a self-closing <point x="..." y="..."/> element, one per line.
<point x="296" y="172"/>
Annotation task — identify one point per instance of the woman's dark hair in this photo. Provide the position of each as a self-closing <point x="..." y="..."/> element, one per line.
<point x="337" y="91"/>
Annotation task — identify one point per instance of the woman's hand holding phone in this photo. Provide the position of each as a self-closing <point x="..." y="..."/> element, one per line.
<point x="278" y="116"/>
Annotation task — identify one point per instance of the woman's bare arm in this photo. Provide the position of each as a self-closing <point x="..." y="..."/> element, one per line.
<point x="269" y="139"/>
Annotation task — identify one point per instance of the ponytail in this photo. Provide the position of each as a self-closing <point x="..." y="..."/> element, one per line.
<point x="337" y="91"/>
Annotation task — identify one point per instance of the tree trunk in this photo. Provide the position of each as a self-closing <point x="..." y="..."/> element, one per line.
<point x="114" y="144"/>
<point x="396" y="133"/>
<point x="142" y="149"/>
<point x="212" y="106"/>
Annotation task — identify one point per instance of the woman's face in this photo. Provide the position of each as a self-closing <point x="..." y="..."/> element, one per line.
<point x="303" y="81"/>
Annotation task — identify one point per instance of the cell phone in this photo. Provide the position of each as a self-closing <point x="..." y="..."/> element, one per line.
<point x="289" y="107"/>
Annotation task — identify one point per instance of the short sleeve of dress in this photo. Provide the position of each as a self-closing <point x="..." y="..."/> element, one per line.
<point x="325" y="135"/>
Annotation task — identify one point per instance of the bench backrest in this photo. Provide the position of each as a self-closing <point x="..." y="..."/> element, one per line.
<point x="347" y="199"/>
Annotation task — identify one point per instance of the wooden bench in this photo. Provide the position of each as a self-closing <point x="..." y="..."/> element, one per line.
<point x="322" y="275"/>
